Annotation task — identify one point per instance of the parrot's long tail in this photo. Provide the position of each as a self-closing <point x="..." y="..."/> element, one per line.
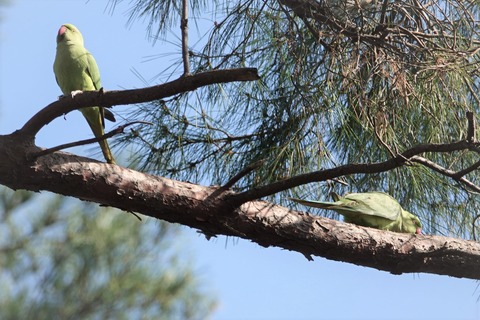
<point x="315" y="204"/>
<point x="95" y="121"/>
<point x="106" y="151"/>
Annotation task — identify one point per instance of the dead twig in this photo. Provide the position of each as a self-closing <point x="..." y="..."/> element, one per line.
<point x="237" y="177"/>
<point x="110" y="134"/>
<point x="184" y="29"/>
<point x="471" y="136"/>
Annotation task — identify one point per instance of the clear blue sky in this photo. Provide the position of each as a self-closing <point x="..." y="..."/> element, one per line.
<point x="251" y="282"/>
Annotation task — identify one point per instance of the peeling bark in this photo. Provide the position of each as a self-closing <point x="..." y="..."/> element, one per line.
<point x="259" y="221"/>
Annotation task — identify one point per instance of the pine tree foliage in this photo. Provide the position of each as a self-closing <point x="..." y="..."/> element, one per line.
<point x="67" y="259"/>
<point x="340" y="83"/>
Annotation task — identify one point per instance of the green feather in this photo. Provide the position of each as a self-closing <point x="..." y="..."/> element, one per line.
<point x="371" y="209"/>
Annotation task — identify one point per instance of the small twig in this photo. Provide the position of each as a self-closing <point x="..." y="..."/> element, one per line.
<point x="136" y="215"/>
<point x="384" y="12"/>
<point x="471" y="137"/>
<point x="184" y="28"/>
<point x="337" y="180"/>
<point x="110" y="134"/>
<point x="237" y="177"/>
<point x="466" y="171"/>
<point x="384" y="144"/>
<point x="131" y="212"/>
<point x="446" y="172"/>
<point x="243" y="173"/>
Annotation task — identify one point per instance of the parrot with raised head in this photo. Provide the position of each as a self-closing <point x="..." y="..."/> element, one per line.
<point x="76" y="70"/>
<point x="370" y="209"/>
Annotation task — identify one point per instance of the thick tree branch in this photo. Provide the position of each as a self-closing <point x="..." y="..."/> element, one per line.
<point x="262" y="222"/>
<point x="123" y="97"/>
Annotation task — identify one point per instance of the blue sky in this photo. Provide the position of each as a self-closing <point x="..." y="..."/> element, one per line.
<point x="250" y="281"/>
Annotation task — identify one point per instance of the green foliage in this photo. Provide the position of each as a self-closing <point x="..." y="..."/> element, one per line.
<point x="161" y="14"/>
<point x="3" y="3"/>
<point x="333" y="91"/>
<point x="67" y="259"/>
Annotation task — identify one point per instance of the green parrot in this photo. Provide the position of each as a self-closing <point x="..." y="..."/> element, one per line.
<point x="371" y="209"/>
<point x="76" y="70"/>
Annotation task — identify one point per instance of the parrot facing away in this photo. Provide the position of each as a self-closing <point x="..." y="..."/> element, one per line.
<point x="76" y="70"/>
<point x="371" y="209"/>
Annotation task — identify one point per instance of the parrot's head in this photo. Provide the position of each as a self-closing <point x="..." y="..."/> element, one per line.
<point x="69" y="33"/>
<point x="412" y="223"/>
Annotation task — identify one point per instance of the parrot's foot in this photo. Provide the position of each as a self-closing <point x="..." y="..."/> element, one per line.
<point x="74" y="93"/>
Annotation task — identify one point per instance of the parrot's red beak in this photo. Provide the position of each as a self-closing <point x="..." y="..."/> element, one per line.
<point x="418" y="231"/>
<point x="61" y="33"/>
<point x="62" y="30"/>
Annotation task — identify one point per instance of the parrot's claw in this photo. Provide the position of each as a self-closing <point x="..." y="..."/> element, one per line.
<point x="74" y="93"/>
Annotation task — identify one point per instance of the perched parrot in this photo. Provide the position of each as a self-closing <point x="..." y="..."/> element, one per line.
<point x="76" y="70"/>
<point x="371" y="209"/>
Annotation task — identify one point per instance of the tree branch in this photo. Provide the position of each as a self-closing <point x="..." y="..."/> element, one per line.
<point x="184" y="29"/>
<point x="238" y="176"/>
<point x="259" y="221"/>
<point x="466" y="171"/>
<point x="362" y="168"/>
<point x="110" y="134"/>
<point x="471" y="136"/>
<point x="123" y="97"/>
<point x="416" y="40"/>
<point x="457" y="176"/>
<point x="243" y="173"/>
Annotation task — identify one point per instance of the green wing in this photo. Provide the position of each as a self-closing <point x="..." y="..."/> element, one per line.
<point x="92" y="71"/>
<point x="371" y="209"/>
<point x="377" y="204"/>
<point x="373" y="204"/>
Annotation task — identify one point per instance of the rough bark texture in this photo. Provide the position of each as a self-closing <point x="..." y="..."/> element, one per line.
<point x="262" y="222"/>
